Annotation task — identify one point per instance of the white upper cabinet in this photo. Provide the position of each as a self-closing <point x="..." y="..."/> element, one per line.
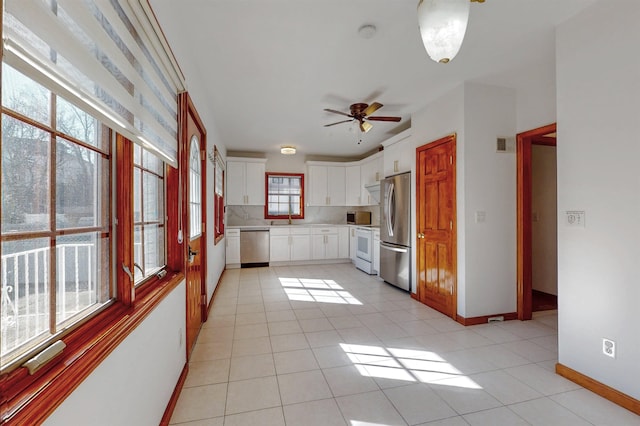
<point x="353" y="185"/>
<point x="326" y="185"/>
<point x="370" y="174"/>
<point x="245" y="181"/>
<point x="399" y="154"/>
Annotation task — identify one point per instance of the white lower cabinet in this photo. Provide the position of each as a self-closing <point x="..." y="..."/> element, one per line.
<point x="232" y="237"/>
<point x="353" y="243"/>
<point x="376" y="251"/>
<point x="343" y="243"/>
<point x="324" y="243"/>
<point x="289" y="243"/>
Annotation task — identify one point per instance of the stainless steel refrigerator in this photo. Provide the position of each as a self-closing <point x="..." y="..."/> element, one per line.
<point x="395" y="230"/>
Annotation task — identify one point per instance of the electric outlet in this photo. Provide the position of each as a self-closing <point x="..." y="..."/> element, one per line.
<point x="609" y="348"/>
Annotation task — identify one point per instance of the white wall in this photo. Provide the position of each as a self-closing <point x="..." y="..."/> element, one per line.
<point x="598" y="67"/>
<point x="442" y="117"/>
<point x="489" y="187"/>
<point x="133" y="385"/>
<point x="536" y="96"/>
<point x="485" y="182"/>
<point x="544" y="229"/>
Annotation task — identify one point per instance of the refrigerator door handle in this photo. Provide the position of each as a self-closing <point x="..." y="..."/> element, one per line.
<point x="392" y="248"/>
<point x="390" y="208"/>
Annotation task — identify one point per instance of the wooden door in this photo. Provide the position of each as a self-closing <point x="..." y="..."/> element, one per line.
<point x="436" y="225"/>
<point x="195" y="237"/>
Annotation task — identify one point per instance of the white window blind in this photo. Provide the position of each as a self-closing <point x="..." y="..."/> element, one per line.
<point x="104" y="55"/>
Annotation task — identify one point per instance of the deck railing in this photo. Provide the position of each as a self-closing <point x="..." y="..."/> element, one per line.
<point x="26" y="291"/>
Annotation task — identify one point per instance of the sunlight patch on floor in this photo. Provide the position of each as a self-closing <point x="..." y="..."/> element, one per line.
<point x="317" y="290"/>
<point x="409" y="365"/>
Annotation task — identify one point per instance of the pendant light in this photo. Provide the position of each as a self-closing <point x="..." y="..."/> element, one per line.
<point x="443" y="24"/>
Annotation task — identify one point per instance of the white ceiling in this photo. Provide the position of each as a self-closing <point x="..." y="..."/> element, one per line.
<point x="268" y="68"/>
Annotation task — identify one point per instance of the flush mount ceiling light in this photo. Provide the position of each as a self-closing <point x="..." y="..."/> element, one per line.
<point x="287" y="150"/>
<point x="367" y="31"/>
<point x="443" y="24"/>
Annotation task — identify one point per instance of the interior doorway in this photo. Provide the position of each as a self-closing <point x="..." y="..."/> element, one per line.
<point x="536" y="221"/>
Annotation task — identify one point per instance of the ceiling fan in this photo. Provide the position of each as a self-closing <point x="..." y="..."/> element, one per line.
<point x="362" y="112"/>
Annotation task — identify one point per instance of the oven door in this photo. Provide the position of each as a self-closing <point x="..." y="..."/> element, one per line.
<point x="364" y="248"/>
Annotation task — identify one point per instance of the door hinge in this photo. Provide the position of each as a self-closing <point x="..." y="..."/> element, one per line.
<point x="204" y="299"/>
<point x="203" y="231"/>
<point x="450" y="224"/>
<point x="451" y="159"/>
<point x="203" y="155"/>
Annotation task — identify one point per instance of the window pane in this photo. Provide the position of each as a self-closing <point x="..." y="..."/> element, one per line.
<point x="137" y="195"/>
<point x="24" y="296"/>
<point x="25" y="96"/>
<point x="283" y="194"/>
<point x="25" y="177"/>
<point x="153" y="198"/>
<point x="153" y="163"/>
<point x="78" y="173"/>
<point x="153" y="248"/>
<point x="82" y="274"/>
<point x="138" y="260"/>
<point x="78" y="124"/>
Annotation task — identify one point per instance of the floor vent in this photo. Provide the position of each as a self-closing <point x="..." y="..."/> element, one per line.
<point x="496" y="319"/>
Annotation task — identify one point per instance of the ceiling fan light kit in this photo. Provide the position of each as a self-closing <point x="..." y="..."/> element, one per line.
<point x="287" y="150"/>
<point x="443" y="24"/>
<point x="361" y="113"/>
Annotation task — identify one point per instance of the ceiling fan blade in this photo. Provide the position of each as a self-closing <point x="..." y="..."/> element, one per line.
<point x="396" y="119"/>
<point x="365" y="127"/>
<point x="337" y="112"/>
<point x="339" y="122"/>
<point x="372" y="108"/>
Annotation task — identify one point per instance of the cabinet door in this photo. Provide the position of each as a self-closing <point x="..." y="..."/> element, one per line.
<point x="255" y="184"/>
<point x="317" y="247"/>
<point x="233" y="249"/>
<point x="300" y="247"/>
<point x="369" y="174"/>
<point x="336" y="191"/>
<point x="331" y="249"/>
<point x="235" y="183"/>
<point x="353" y="243"/>
<point x="317" y="186"/>
<point x="343" y="243"/>
<point x="279" y="248"/>
<point x="376" y="253"/>
<point x="398" y="157"/>
<point x="353" y="185"/>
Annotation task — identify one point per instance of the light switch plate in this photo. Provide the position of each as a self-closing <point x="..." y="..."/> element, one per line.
<point x="481" y="216"/>
<point x="575" y="218"/>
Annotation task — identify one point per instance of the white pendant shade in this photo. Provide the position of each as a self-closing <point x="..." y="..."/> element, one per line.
<point x="442" y="26"/>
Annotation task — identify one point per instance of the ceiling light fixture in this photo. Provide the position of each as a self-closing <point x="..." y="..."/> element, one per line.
<point x="287" y="150"/>
<point x="443" y="24"/>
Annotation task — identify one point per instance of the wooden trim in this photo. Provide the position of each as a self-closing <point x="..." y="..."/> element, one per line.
<point x="173" y="401"/>
<point x="126" y="293"/>
<point x="266" y="196"/>
<point x="523" y="211"/>
<point x="414" y="296"/>
<point x="598" y="388"/>
<point x="31" y="399"/>
<point x="215" y="291"/>
<point x="485" y="318"/>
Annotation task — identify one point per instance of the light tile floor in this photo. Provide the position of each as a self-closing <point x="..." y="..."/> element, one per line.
<point x="329" y="345"/>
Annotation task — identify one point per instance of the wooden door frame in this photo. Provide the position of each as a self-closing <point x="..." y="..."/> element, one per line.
<point x="524" y="142"/>
<point x="186" y="109"/>
<point x="453" y="138"/>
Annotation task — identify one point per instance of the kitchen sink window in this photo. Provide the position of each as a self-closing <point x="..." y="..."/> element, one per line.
<point x="285" y="196"/>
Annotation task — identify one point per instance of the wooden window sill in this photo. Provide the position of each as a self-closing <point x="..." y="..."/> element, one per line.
<point x="26" y="399"/>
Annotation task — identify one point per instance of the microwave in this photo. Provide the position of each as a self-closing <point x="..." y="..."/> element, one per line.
<point x="359" y="218"/>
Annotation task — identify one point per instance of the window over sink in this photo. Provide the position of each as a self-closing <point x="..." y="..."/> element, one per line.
<point x="284" y="195"/>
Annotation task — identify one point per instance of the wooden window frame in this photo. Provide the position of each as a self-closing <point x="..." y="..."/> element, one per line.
<point x="266" y="196"/>
<point x="30" y="399"/>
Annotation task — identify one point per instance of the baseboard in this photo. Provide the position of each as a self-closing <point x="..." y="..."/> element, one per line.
<point x="215" y="290"/>
<point x="485" y="318"/>
<point x="171" y="405"/>
<point x="598" y="388"/>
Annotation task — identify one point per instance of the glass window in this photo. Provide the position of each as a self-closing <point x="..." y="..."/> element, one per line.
<point x="195" y="179"/>
<point x="55" y="231"/>
<point x="285" y="196"/>
<point x="149" y="251"/>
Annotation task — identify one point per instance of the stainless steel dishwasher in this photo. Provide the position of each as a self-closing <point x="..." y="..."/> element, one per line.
<point x="254" y="247"/>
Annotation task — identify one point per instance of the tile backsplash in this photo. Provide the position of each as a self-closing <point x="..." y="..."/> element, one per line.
<point x="254" y="215"/>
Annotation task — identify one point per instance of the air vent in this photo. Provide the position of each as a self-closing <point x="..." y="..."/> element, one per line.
<point x="505" y="145"/>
